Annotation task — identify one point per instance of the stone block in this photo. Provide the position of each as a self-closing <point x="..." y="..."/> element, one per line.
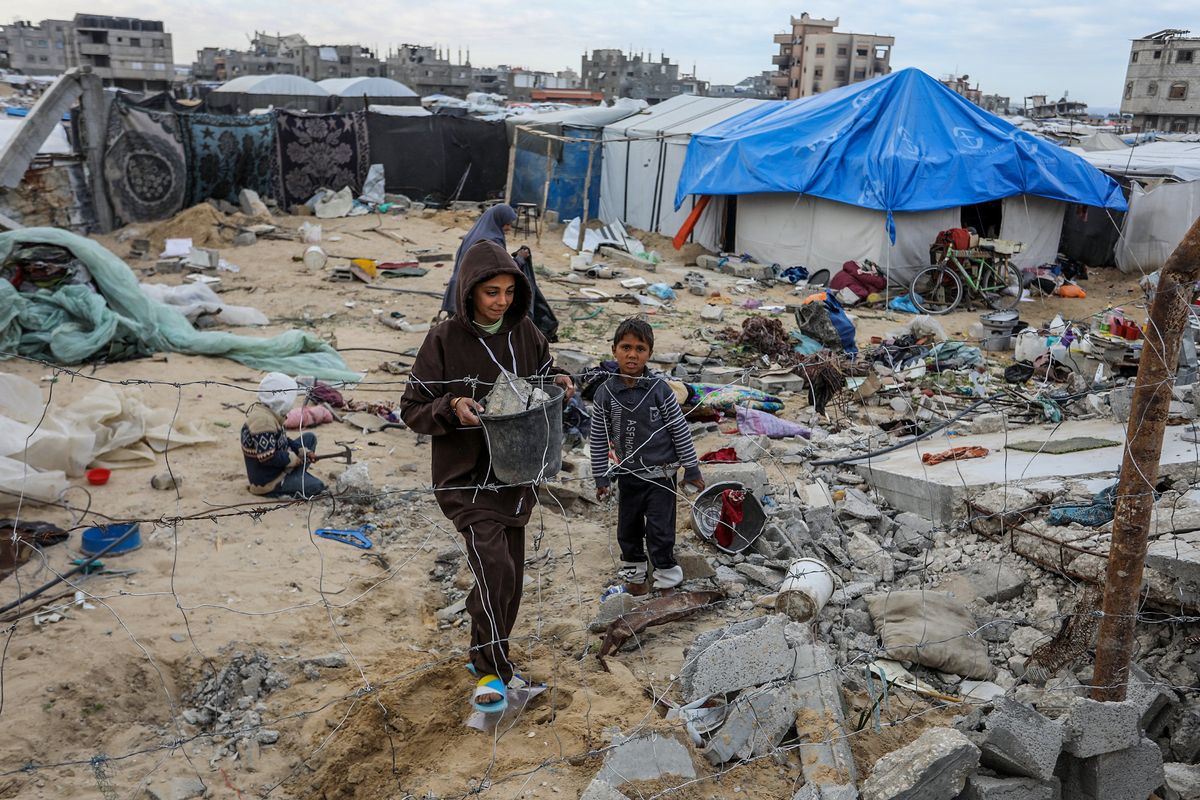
<point x="1094" y="728"/>
<point x="611" y="607"/>
<point x="695" y="566"/>
<point x="989" y="582"/>
<point x="774" y="384"/>
<point x="984" y="787"/>
<point x="252" y="205"/>
<point x="734" y="660"/>
<point x="1155" y="702"/>
<point x="756" y="724"/>
<point x="645" y="757"/>
<point x="1132" y="773"/>
<point x="1120" y="400"/>
<point x="858" y="506"/>
<point x="752" y="476"/>
<point x="764" y="576"/>
<point x="934" y="767"/>
<point x="1183" y="781"/>
<point x="988" y="423"/>
<point x="751" y="448"/>
<point x="1019" y="741"/>
<point x="912" y="541"/>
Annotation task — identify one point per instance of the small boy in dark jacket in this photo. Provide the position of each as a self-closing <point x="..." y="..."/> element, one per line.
<point x="637" y="415"/>
<point x="277" y="466"/>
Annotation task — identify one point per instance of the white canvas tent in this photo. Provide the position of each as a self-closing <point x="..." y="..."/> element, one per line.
<point x="1164" y="199"/>
<point x="788" y="230"/>
<point x="643" y="155"/>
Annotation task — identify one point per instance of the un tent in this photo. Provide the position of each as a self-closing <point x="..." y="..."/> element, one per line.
<point x="874" y="170"/>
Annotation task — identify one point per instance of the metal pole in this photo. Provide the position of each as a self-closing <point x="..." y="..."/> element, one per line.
<point x="587" y="188"/>
<point x="512" y="165"/>
<point x="1139" y="467"/>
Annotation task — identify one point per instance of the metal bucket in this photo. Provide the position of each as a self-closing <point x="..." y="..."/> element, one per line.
<point x="706" y="515"/>
<point x="526" y="447"/>
<point x="805" y="590"/>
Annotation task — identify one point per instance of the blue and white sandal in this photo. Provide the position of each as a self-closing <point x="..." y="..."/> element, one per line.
<point x="517" y="681"/>
<point x="490" y="684"/>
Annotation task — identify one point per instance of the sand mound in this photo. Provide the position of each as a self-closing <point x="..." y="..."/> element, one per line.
<point x="201" y="223"/>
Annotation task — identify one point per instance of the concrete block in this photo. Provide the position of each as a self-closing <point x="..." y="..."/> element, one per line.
<point x="721" y="375"/>
<point x="764" y="576"/>
<point x="734" y="660"/>
<point x="984" y="787"/>
<point x="1019" y="741"/>
<point x="1125" y="774"/>
<point x="1185" y="733"/>
<point x="611" y="607"/>
<point x="1156" y="703"/>
<point x="989" y="582"/>
<point x="752" y="476"/>
<point x="252" y="205"/>
<point x="751" y="448"/>
<point x="912" y="541"/>
<point x="774" y="384"/>
<point x="1094" y="728"/>
<point x="1183" y="781"/>
<point x="646" y="757"/>
<point x="858" y="506"/>
<point x="748" y="269"/>
<point x="934" y="767"/>
<point x="988" y="423"/>
<point x="1120" y="400"/>
<point x="756" y="724"/>
<point x="712" y="313"/>
<point x="918" y="523"/>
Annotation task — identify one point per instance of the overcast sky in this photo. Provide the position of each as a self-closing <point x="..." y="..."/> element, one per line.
<point x="1017" y="47"/>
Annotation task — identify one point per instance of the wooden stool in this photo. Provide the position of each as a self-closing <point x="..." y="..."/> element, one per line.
<point x="525" y="213"/>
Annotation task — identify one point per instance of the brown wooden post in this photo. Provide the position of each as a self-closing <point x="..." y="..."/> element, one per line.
<point x="587" y="188"/>
<point x="546" y="186"/>
<point x="512" y="164"/>
<point x="1167" y="323"/>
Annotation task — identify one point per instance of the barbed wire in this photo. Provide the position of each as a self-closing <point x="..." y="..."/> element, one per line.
<point x="372" y="690"/>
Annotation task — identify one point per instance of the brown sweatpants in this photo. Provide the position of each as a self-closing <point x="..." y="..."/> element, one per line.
<point x="496" y="556"/>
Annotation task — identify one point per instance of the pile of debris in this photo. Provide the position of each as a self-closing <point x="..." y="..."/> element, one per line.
<point x="229" y="703"/>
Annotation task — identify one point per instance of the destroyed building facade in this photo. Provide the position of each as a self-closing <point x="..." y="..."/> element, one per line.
<point x="815" y="58"/>
<point x="126" y="52"/>
<point x="1162" y="82"/>
<point x="287" y="55"/>
<point x="636" y="75"/>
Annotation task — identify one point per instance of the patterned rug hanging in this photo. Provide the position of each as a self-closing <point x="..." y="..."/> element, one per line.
<point x="226" y="154"/>
<point x="144" y="164"/>
<point x="319" y="150"/>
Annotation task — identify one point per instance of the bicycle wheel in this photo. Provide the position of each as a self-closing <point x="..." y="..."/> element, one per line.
<point x="936" y="290"/>
<point x="1001" y="285"/>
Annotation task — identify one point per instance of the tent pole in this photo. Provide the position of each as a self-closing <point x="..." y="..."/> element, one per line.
<point x="546" y="185"/>
<point x="587" y="189"/>
<point x="512" y="164"/>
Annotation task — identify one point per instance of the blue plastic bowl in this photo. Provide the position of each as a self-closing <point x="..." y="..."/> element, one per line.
<point x="96" y="539"/>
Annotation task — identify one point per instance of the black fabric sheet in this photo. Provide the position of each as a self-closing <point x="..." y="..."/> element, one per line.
<point x="426" y="158"/>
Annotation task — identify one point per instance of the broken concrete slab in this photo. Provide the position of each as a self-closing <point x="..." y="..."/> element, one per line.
<point x="645" y="757"/>
<point x="1016" y="740"/>
<point x="252" y="205"/>
<point x="756" y="724"/>
<point x="1131" y="773"/>
<point x="989" y="582"/>
<point x="753" y="476"/>
<point x="1093" y="727"/>
<point x="858" y="506"/>
<point x="826" y="759"/>
<point x="1182" y="781"/>
<point x="764" y="576"/>
<point x="936" y="765"/>
<point x="774" y="384"/>
<point x="695" y="567"/>
<point x="734" y="660"/>
<point x="986" y="787"/>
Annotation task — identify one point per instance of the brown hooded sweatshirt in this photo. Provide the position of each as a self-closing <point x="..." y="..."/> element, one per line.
<point x="454" y="352"/>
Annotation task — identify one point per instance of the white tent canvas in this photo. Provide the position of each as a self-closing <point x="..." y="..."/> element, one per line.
<point x="1157" y="220"/>
<point x="643" y="155"/>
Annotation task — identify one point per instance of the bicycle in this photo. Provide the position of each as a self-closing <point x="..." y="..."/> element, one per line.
<point x="985" y="271"/>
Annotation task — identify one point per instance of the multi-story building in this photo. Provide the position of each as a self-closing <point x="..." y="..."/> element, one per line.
<point x="426" y="70"/>
<point x="756" y="86"/>
<point x="962" y="85"/>
<point x="997" y="104"/>
<point x="1038" y="107"/>
<point x="815" y="58"/>
<point x="42" y="49"/>
<point x="287" y="55"/>
<point x="1162" y="83"/>
<point x="125" y="52"/>
<point x="517" y="83"/>
<point x="616" y="74"/>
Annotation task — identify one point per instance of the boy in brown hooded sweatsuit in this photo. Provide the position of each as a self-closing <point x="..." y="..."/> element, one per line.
<point x="443" y="402"/>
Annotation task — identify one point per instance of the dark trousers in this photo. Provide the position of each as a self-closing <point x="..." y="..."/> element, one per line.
<point x="646" y="519"/>
<point x="496" y="556"/>
<point x="298" y="483"/>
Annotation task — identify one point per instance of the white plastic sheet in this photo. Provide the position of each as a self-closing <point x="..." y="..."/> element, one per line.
<point x="196" y="300"/>
<point x="1157" y="220"/>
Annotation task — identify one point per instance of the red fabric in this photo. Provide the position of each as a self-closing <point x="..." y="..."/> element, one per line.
<point x="726" y="455"/>
<point x="861" y="283"/>
<point x="732" y="514"/>
<point x="954" y="454"/>
<point x="958" y="238"/>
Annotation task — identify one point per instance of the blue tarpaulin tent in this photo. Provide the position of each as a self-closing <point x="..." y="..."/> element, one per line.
<point x="903" y="142"/>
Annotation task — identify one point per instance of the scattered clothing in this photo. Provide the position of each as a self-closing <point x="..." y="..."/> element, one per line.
<point x="307" y="417"/>
<point x="732" y="514"/>
<point x="1100" y="512"/>
<point x="725" y="455"/>
<point x="753" y="422"/>
<point x="727" y="398"/>
<point x="859" y="280"/>
<point x="953" y="454"/>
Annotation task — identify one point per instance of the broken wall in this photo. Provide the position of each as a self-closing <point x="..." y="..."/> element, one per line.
<point x="52" y="194"/>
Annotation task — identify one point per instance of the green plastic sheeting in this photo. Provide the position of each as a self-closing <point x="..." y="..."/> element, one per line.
<point x="73" y="324"/>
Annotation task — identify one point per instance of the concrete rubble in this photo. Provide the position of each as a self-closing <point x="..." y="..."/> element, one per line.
<point x="936" y="765"/>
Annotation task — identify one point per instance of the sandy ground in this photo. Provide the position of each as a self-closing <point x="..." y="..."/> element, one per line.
<point x="93" y="703"/>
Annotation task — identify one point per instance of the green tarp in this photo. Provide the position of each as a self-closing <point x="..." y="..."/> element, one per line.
<point x="74" y="324"/>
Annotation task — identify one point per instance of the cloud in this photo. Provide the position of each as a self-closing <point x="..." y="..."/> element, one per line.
<point x="1027" y="47"/>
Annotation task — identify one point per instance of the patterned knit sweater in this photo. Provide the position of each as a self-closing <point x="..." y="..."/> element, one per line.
<point x="266" y="449"/>
<point x="644" y="426"/>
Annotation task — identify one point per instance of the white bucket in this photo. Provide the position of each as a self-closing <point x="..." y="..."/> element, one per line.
<point x="805" y="590"/>
<point x="1030" y="345"/>
<point x="314" y="257"/>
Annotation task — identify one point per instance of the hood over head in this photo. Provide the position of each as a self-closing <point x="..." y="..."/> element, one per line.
<point x="278" y="392"/>
<point x="483" y="261"/>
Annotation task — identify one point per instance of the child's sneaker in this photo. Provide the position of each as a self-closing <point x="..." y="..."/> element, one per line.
<point x="633" y="574"/>
<point x="668" y="578"/>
